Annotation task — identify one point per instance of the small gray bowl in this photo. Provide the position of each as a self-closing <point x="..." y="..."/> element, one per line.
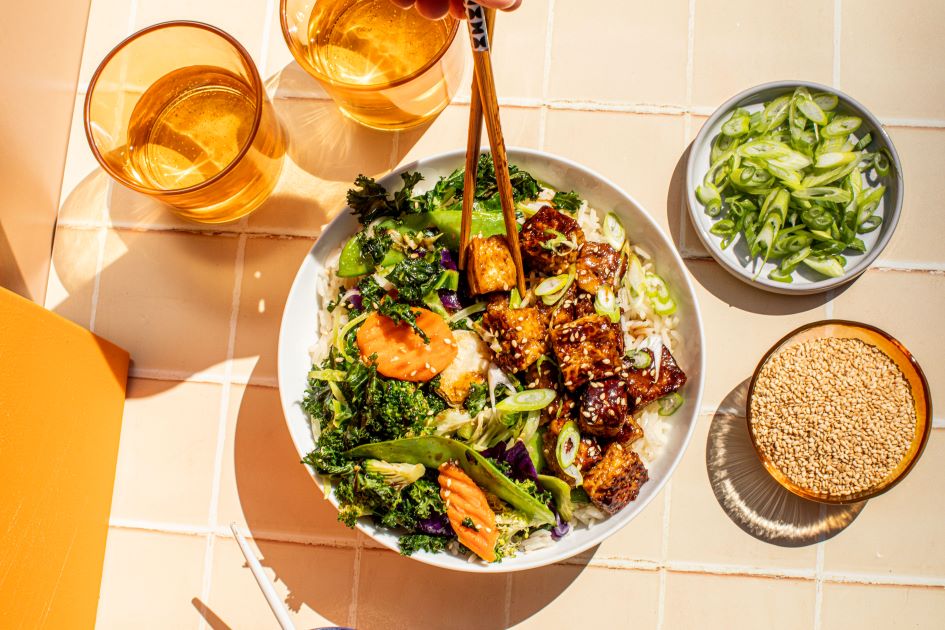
<point x="736" y="258"/>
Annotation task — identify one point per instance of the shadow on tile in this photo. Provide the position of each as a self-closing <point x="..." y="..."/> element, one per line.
<point x="209" y="616"/>
<point x="327" y="144"/>
<point x="391" y="591"/>
<point x="752" y="498"/>
<point x="676" y="202"/>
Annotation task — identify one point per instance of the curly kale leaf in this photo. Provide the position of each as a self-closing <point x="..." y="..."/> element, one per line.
<point x="370" y="201"/>
<point x="477" y="399"/>
<point x="414" y="278"/>
<point x="567" y="201"/>
<point x="401" y="313"/>
<point x="393" y="409"/>
<point x="524" y="186"/>
<point x="412" y="543"/>
<point x="328" y="458"/>
<point x="361" y="493"/>
<point x="371" y="293"/>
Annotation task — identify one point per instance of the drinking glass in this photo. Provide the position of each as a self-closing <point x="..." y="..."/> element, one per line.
<point x="178" y="111"/>
<point x="385" y="67"/>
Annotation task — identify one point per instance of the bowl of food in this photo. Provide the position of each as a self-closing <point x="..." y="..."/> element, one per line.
<point x="838" y="411"/>
<point x="794" y="187"/>
<point x="453" y="419"/>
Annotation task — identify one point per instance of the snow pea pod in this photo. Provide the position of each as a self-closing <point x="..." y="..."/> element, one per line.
<point x="432" y="451"/>
<point x="560" y="492"/>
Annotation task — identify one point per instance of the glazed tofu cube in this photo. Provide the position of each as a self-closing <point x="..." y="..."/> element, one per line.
<point x="597" y="264"/>
<point x="615" y="481"/>
<point x="587" y="349"/>
<point x="550" y="241"/>
<point x="574" y="305"/>
<point x="489" y="265"/>
<point x="519" y="336"/>
<point x="642" y="388"/>
<point x="542" y="374"/>
<point x="604" y="408"/>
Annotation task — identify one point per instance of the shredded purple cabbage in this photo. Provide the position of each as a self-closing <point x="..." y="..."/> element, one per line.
<point x="356" y="300"/>
<point x="517" y="458"/>
<point x="446" y="260"/>
<point x="450" y="300"/>
<point x="561" y="527"/>
<point x="437" y="525"/>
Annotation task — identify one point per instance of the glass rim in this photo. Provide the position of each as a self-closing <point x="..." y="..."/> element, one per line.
<point x="257" y="84"/>
<point x="299" y="58"/>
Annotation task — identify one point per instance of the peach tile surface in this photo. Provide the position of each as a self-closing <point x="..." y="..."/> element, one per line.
<point x="622" y="86"/>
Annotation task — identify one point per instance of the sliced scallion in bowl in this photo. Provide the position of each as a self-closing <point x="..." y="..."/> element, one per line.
<point x="796" y="183"/>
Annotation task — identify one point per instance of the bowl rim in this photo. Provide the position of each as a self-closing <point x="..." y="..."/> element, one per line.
<point x="866" y="495"/>
<point x="458" y="155"/>
<point x="891" y="222"/>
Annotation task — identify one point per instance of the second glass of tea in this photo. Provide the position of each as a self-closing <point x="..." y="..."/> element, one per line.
<point x="179" y="112"/>
<point x="385" y="67"/>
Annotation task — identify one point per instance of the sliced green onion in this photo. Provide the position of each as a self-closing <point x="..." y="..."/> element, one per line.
<point x="515" y="300"/>
<point x="635" y="278"/>
<point x="869" y="224"/>
<point x="336" y="392"/>
<point x="605" y="303"/>
<point x="842" y="126"/>
<point x="658" y="293"/>
<point x="568" y="444"/>
<point x="614" y="233"/>
<point x="670" y="404"/>
<point x="839" y="158"/>
<point x="823" y="193"/>
<point x="554" y="284"/>
<point x="881" y="163"/>
<point x="552" y="298"/>
<point x="343" y="333"/>
<point x="826" y="102"/>
<point x="809" y="107"/>
<point x="724" y="227"/>
<point x="478" y="307"/>
<point x="738" y="124"/>
<point x="779" y="275"/>
<point x="776" y="112"/>
<point x="640" y="359"/>
<point x="528" y="400"/>
<point x="708" y="195"/>
<point x="327" y="375"/>
<point x="864" y="142"/>
<point x="829" y="267"/>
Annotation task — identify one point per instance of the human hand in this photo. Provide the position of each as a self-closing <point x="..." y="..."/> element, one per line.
<point x="435" y="9"/>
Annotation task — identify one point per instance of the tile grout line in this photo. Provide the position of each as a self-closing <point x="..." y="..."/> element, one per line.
<point x="355" y="581"/>
<point x="705" y="568"/>
<point x="100" y="258"/>
<point x="819" y="576"/>
<point x="687" y="124"/>
<point x="664" y="557"/>
<point x="222" y="420"/>
<point x="546" y="76"/>
<point x="837" y="11"/>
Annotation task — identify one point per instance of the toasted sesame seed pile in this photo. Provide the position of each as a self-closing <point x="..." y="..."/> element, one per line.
<point x="836" y="416"/>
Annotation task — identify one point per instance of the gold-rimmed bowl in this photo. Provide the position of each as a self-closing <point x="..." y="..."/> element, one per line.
<point x="906" y="363"/>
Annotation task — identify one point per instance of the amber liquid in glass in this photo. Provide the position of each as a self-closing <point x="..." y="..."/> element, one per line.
<point x="188" y="126"/>
<point x="373" y="43"/>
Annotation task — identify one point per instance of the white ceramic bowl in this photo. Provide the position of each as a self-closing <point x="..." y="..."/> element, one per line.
<point x="736" y="259"/>
<point x="298" y="334"/>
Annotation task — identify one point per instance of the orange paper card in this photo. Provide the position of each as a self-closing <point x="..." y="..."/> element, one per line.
<point x="62" y="390"/>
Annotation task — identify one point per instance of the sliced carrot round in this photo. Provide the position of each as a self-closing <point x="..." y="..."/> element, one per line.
<point x="401" y="352"/>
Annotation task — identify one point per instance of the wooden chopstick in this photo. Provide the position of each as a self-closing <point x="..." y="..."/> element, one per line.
<point x="479" y="38"/>
<point x="473" y="141"/>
